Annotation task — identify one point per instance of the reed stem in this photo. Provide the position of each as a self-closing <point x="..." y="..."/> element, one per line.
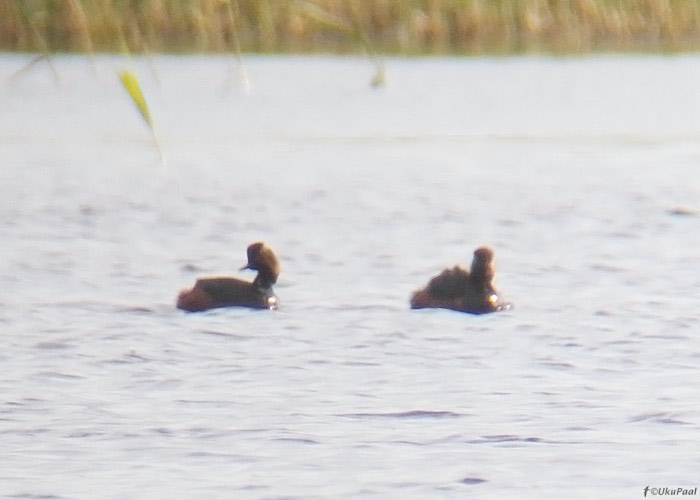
<point x="387" y="26"/>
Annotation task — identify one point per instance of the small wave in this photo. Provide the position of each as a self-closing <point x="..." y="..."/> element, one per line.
<point x="556" y="364"/>
<point x="661" y="418"/>
<point x="32" y="496"/>
<point x="367" y="308"/>
<point x="85" y="434"/>
<point x="505" y="438"/>
<point x="52" y="346"/>
<point x="129" y="358"/>
<point x="427" y="414"/>
<point x="361" y="363"/>
<point x="135" y="309"/>
<point x="472" y="480"/>
<point x="606" y="268"/>
<point x="297" y="440"/>
<point x="60" y="375"/>
<point x="228" y="335"/>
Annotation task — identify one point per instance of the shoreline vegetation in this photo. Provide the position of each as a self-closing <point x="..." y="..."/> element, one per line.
<point x="408" y="27"/>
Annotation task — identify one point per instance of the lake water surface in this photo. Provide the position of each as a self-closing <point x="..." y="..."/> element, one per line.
<point x="583" y="175"/>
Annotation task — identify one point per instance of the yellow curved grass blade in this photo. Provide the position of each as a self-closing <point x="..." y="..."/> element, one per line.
<point x="131" y="84"/>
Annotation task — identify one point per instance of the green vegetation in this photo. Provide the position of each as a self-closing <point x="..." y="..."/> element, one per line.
<point x="342" y="26"/>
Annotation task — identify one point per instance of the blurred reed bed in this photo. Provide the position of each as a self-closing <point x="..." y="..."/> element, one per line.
<point x="341" y="26"/>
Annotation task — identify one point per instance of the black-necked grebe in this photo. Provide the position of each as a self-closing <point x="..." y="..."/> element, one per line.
<point x="210" y="293"/>
<point x="461" y="290"/>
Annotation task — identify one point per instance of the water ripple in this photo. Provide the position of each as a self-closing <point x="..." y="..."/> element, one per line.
<point x="662" y="418"/>
<point x="505" y="438"/>
<point x="32" y="496"/>
<point x="600" y="351"/>
<point x="472" y="480"/>
<point x="418" y="414"/>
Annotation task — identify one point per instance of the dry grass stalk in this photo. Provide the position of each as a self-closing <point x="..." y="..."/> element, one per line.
<point x="388" y="26"/>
